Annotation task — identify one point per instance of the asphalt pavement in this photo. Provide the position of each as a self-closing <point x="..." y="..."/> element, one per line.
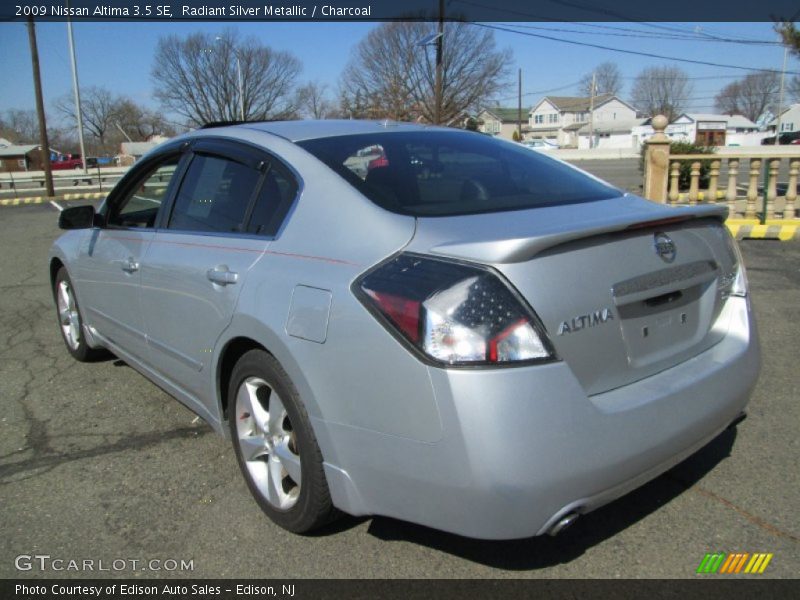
<point x="98" y="464"/>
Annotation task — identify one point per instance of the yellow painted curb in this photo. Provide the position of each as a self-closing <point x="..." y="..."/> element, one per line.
<point x="774" y="229"/>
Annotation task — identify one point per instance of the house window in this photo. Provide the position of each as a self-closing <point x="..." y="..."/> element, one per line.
<point x="21" y="162"/>
<point x="787" y="126"/>
<point x="494" y="127"/>
<point x="552" y="118"/>
<point x="538" y="119"/>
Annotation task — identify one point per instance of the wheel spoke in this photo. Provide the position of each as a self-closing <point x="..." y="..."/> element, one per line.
<point x="288" y="459"/>
<point x="260" y="415"/>
<point x="64" y="295"/>
<point x="253" y="447"/>
<point x="277" y="413"/>
<point x="275" y="493"/>
<point x="249" y="405"/>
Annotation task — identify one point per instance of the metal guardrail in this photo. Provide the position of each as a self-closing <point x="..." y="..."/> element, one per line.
<point x="94" y="176"/>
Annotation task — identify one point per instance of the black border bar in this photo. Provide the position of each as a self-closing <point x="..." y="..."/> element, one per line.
<point x="392" y="10"/>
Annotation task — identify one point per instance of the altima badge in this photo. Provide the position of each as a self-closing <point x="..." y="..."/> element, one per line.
<point x="664" y="246"/>
<point x="593" y="319"/>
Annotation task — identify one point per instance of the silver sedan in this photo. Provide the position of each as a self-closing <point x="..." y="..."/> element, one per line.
<point x="416" y="322"/>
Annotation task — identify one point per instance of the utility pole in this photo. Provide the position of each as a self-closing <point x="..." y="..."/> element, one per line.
<point x="519" y="106"/>
<point x="37" y="88"/>
<point x="76" y="90"/>
<point x="239" y="80"/>
<point x="241" y="86"/>
<point x="437" y="109"/>
<point x="780" y="97"/>
<point x="591" y="113"/>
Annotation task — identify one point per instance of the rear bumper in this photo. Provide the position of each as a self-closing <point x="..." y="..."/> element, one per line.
<point x="522" y="447"/>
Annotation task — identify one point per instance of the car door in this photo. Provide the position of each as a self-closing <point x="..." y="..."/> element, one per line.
<point x="107" y="269"/>
<point x="195" y="266"/>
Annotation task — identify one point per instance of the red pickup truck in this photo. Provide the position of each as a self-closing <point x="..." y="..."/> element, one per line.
<point x="67" y="161"/>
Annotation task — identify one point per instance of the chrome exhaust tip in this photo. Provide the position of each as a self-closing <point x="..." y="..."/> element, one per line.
<point x="563" y="523"/>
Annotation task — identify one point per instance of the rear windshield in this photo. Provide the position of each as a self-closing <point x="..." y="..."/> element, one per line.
<point x="446" y="173"/>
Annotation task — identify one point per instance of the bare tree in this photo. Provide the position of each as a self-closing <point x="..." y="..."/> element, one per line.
<point x="20" y="126"/>
<point x="197" y="77"/>
<point x="390" y="73"/>
<point x="139" y="122"/>
<point x="662" y="90"/>
<point x="793" y="88"/>
<point x="608" y="80"/>
<point x="98" y="106"/>
<point x="751" y="96"/>
<point x="313" y="102"/>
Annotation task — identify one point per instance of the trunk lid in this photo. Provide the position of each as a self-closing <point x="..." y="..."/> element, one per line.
<point x="625" y="287"/>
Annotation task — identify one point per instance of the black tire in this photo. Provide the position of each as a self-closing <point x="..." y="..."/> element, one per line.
<point x="312" y="507"/>
<point x="77" y="347"/>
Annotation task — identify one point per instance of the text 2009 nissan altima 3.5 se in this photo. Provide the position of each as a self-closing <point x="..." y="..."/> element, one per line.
<point x="423" y="323"/>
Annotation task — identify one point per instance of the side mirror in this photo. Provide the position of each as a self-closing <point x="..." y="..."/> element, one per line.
<point x="77" y="217"/>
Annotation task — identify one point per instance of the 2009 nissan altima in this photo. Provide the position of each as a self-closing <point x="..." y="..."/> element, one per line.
<point x="411" y="321"/>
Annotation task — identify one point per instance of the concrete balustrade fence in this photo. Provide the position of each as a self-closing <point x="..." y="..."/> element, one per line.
<point x="746" y="181"/>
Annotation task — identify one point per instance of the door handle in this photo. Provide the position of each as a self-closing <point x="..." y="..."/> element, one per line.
<point x="221" y="275"/>
<point x="130" y="265"/>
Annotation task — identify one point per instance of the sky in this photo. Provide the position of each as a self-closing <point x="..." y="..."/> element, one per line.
<point x="119" y="55"/>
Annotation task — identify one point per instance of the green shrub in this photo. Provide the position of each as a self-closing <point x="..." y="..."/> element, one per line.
<point x="684" y="178"/>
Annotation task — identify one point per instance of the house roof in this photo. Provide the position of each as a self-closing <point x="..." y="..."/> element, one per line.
<point x="622" y="126"/>
<point x="506" y="115"/>
<point x="795" y="106"/>
<point x="580" y="103"/>
<point x="736" y="121"/>
<point x="14" y="150"/>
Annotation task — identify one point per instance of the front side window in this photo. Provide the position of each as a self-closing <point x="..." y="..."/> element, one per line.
<point x="538" y="119"/>
<point x="447" y="173"/>
<point x="214" y="195"/>
<point x="140" y="206"/>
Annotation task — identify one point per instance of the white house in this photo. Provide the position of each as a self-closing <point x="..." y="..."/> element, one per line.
<point x="715" y="130"/>
<point x="610" y="134"/>
<point x="560" y="118"/>
<point x="501" y="122"/>
<point x="707" y="130"/>
<point x="790" y="119"/>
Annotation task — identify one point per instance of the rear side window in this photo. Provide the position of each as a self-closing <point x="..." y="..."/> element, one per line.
<point x="275" y="198"/>
<point x="445" y="173"/>
<point x="214" y="195"/>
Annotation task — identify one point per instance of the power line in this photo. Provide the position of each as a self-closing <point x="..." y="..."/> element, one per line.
<point x="636" y="52"/>
<point x="557" y="89"/>
<point x="686" y="34"/>
<point x="637" y="33"/>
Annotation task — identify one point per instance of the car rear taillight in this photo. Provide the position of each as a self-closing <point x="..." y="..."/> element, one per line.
<point x="454" y="313"/>
<point x="735" y="283"/>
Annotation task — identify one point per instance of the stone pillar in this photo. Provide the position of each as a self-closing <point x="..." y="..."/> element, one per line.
<point x="656" y="162"/>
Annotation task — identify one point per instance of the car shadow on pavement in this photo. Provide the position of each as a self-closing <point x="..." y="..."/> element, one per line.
<point x="590" y="530"/>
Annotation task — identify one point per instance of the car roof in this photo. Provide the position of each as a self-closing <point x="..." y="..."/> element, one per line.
<point x="296" y="131"/>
